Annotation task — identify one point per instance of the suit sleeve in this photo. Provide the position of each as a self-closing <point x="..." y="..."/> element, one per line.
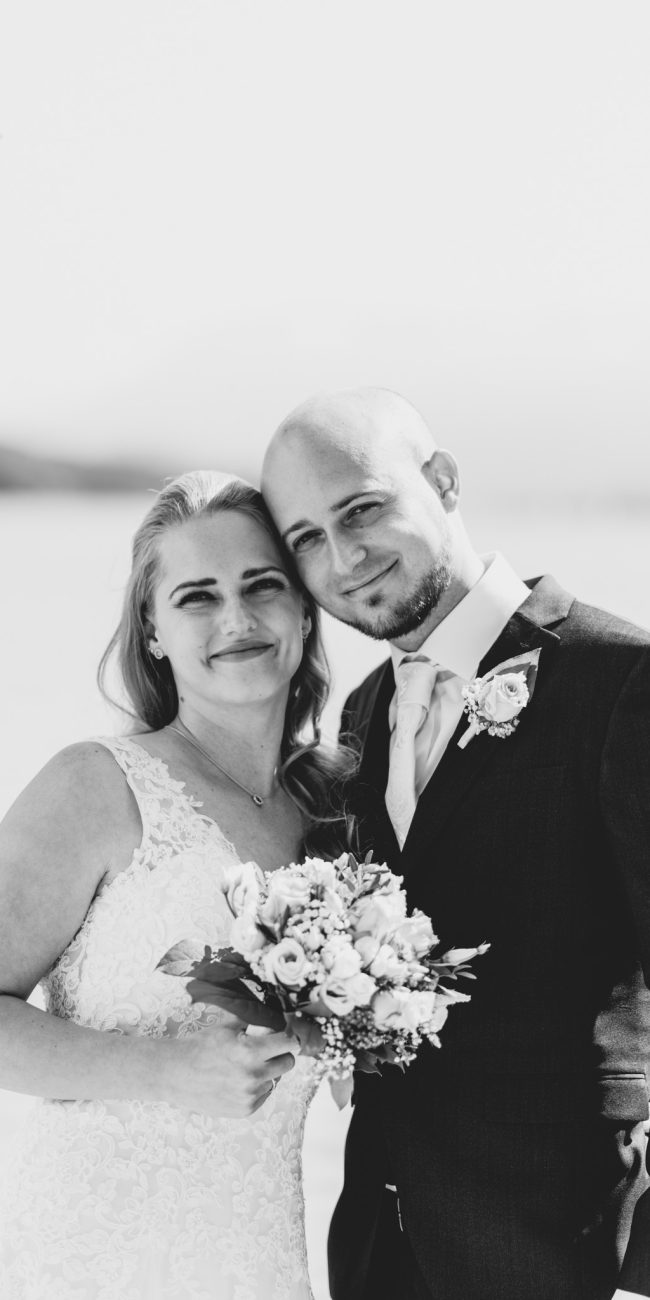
<point x="625" y="797"/>
<point x="625" y="803"/>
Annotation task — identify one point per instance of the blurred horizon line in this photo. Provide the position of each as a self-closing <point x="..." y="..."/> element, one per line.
<point x="32" y="472"/>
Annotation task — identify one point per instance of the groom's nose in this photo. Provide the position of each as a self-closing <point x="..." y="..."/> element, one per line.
<point x="345" y="554"/>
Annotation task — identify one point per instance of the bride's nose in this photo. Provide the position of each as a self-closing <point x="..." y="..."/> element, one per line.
<point x="237" y="617"/>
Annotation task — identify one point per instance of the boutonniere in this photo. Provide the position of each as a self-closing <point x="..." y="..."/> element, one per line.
<point x="494" y="702"/>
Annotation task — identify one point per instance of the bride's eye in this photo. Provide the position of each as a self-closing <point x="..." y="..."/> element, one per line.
<point x="195" y="598"/>
<point x="266" y="584"/>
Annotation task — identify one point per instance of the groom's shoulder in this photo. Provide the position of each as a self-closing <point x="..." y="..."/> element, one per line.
<point x="361" y="699"/>
<point x="590" y="626"/>
<point x="598" y="649"/>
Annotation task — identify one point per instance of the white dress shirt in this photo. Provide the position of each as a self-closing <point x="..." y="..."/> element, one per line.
<point x="458" y="644"/>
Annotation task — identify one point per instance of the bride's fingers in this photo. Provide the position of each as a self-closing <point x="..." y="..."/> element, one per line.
<point x="274" y="1045"/>
<point x="264" y="1096"/>
<point x="260" y="1101"/>
<point x="279" y="1065"/>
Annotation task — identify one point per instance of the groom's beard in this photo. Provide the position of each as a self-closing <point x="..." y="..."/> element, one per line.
<point x="410" y="613"/>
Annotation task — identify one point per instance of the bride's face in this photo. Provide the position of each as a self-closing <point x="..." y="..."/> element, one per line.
<point x="225" y="612"/>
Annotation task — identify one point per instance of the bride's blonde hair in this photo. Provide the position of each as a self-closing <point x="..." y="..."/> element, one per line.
<point x="312" y="774"/>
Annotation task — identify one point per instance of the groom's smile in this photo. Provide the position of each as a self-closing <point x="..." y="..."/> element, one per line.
<point x="366" y="583"/>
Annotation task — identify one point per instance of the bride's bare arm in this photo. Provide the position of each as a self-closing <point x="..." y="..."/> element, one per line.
<point x="75" y="824"/>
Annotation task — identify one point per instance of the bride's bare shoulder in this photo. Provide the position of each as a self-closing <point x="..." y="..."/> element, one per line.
<point x="72" y="826"/>
<point x="86" y="765"/>
<point x="80" y="794"/>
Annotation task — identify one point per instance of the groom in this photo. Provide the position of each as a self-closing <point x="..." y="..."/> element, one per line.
<point x="510" y="1164"/>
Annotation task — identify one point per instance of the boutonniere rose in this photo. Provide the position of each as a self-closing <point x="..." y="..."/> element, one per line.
<point x="494" y="702"/>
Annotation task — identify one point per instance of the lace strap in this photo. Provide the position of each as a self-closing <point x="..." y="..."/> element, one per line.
<point x="168" y="816"/>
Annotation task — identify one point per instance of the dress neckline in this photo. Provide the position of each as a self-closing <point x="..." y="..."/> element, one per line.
<point x="191" y="799"/>
<point x="193" y="804"/>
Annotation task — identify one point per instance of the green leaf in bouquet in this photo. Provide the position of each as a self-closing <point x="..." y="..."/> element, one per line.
<point x="239" y="1001"/>
<point x="308" y="1033"/>
<point x="386" y="1054"/>
<point x="223" y="972"/>
<point x="367" y="1062"/>
<point x="314" y="1008"/>
<point x="341" y="1090"/>
<point x="221" y="966"/>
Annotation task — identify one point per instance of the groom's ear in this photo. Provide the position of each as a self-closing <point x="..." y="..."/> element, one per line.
<point x="442" y="474"/>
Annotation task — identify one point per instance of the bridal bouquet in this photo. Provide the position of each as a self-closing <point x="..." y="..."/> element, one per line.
<point x="328" y="950"/>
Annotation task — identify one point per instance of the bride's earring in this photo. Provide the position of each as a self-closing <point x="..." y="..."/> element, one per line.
<point x="157" y="652"/>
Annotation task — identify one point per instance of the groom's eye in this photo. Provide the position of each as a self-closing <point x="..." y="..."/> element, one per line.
<point x="365" y="512"/>
<point x="301" y="543"/>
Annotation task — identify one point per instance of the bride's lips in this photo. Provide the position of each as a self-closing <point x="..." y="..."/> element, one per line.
<point x="249" y="650"/>
<point x="369" y="582"/>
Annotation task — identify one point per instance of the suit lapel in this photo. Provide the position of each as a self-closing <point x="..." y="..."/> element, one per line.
<point x="529" y="628"/>
<point x="460" y="768"/>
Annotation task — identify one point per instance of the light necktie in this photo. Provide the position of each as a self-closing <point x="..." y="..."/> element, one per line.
<point x="414" y="683"/>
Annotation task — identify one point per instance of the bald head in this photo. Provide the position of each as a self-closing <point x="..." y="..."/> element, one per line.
<point x="362" y="424"/>
<point x="367" y="505"/>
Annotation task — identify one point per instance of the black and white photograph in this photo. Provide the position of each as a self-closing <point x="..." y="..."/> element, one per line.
<point x="325" y="650"/>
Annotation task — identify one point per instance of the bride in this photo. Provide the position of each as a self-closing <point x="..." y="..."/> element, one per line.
<point x="163" y="1161"/>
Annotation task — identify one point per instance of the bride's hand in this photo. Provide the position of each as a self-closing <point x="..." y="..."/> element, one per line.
<point x="225" y="1072"/>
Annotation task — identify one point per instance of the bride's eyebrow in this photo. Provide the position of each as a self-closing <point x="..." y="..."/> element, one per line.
<point x="267" y="568"/>
<point x="214" y="582"/>
<point x="199" y="582"/>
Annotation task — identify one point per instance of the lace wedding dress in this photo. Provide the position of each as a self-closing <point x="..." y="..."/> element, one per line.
<point x="126" y="1200"/>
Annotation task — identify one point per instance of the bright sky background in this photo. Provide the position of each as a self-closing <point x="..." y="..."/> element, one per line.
<point x="211" y="208"/>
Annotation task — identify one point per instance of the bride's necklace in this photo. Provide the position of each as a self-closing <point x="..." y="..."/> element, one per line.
<point x="185" y="734"/>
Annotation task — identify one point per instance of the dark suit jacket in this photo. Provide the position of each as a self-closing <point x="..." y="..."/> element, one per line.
<point x="540" y="844"/>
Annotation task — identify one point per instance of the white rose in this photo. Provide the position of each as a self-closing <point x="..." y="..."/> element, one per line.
<point x="388" y="1008"/>
<point x="285" y="893"/>
<point x="241" y="887"/>
<point x="322" y="873"/>
<point x="312" y="939"/>
<point x="286" y="963"/>
<point x="378" y="914"/>
<point x="367" y="947"/>
<point x="288" y="889"/>
<point x="387" y="965"/>
<point x="361" y="987"/>
<point x="503" y="696"/>
<point x="336" y="996"/>
<point x="245" y="937"/>
<point x="418" y="932"/>
<point x="340" y="959"/>
<point x="420" y="1009"/>
<point x="401" y="1009"/>
<point x="438" y="1017"/>
<point x="272" y="912"/>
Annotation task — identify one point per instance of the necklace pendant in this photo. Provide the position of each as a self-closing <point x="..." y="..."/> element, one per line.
<point x="257" y="800"/>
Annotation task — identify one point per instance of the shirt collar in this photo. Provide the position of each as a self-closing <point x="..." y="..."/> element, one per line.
<point x="473" y="625"/>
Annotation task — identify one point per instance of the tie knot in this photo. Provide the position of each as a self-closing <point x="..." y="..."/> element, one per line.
<point x="415" y="680"/>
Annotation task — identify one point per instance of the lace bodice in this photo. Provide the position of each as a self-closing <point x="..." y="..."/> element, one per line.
<point x="140" y="1201"/>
